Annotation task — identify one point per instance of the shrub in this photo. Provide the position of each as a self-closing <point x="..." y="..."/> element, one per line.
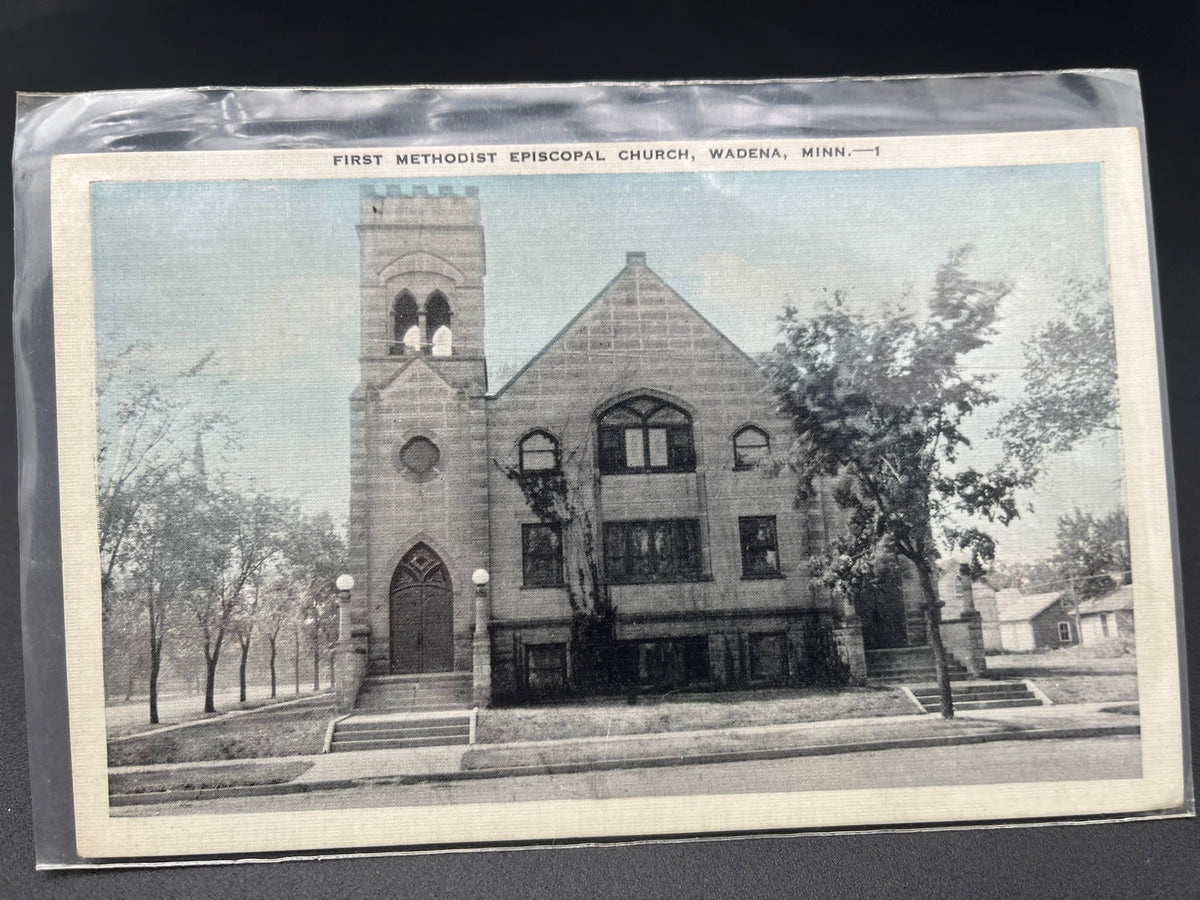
<point x="820" y="662"/>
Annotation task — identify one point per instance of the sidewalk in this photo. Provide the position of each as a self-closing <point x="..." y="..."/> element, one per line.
<point x="335" y="771"/>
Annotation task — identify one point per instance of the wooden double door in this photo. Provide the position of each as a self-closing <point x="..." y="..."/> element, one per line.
<point x="422" y="614"/>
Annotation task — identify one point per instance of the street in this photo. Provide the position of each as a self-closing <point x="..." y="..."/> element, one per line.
<point x="1012" y="761"/>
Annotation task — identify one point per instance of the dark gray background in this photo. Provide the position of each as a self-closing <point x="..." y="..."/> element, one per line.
<point x="70" y="45"/>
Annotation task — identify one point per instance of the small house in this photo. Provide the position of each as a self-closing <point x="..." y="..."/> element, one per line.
<point x="1034" y="621"/>
<point x="1107" y="617"/>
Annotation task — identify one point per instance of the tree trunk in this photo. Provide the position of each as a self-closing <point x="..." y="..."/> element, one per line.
<point x="155" y="659"/>
<point x="316" y="661"/>
<point x="296" y="634"/>
<point x="933" y="618"/>
<point x="211" y="655"/>
<point x="242" y="671"/>
<point x="155" y="663"/>
<point x="271" y="639"/>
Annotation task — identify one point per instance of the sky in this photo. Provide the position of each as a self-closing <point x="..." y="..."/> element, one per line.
<point x="264" y="275"/>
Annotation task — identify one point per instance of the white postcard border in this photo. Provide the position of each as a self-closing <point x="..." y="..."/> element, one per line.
<point x="1161" y="787"/>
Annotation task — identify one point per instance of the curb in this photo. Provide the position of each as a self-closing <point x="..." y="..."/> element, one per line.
<point x="646" y="762"/>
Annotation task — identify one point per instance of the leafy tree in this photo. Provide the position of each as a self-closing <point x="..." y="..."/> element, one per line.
<point x="1092" y="557"/>
<point x="158" y="569"/>
<point x="314" y="555"/>
<point x="878" y="407"/>
<point x="148" y="441"/>
<point x="271" y="524"/>
<point x="233" y="538"/>
<point x="147" y="436"/>
<point x="1070" y="379"/>
<point x="278" y="604"/>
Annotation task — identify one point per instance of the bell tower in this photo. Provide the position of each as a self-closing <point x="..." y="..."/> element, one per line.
<point x="422" y="282"/>
<point x="418" y="473"/>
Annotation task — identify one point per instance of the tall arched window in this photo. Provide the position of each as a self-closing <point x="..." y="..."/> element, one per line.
<point x="406" y="327"/>
<point x="539" y="452"/>
<point x="750" y="446"/>
<point x="437" y="323"/>
<point x="645" y="434"/>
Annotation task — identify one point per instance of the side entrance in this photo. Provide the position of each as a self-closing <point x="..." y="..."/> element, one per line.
<point x="422" y="614"/>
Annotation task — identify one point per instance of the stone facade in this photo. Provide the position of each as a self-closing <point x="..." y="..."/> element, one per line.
<point x="420" y="245"/>
<point x="435" y="497"/>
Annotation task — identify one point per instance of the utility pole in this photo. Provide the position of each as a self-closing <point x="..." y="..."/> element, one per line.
<point x="1075" y="609"/>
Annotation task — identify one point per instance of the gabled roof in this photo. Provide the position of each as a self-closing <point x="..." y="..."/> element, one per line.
<point x="640" y="277"/>
<point x="1013" y="606"/>
<point x="1120" y="599"/>
<point x="419" y="366"/>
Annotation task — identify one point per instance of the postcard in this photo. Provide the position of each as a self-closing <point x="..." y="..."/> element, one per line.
<point x="472" y="495"/>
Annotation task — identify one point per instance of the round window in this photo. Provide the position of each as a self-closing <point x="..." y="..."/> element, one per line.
<point x="420" y="455"/>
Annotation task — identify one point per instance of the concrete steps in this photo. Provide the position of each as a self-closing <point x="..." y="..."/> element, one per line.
<point x="978" y="695"/>
<point x="902" y="664"/>
<point x="426" y="692"/>
<point x="363" y="732"/>
<point x="397" y="712"/>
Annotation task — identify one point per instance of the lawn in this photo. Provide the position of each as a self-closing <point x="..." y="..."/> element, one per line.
<point x="203" y="778"/>
<point x="131" y="717"/>
<point x="687" y="712"/>
<point x="293" y="730"/>
<point x="1072" y="674"/>
<point x="488" y="756"/>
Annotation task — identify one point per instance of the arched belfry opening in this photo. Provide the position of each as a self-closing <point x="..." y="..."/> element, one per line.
<point x="422" y="613"/>
<point x="406" y="325"/>
<point x="437" y="324"/>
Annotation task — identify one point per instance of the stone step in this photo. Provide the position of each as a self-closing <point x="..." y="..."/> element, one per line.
<point x="409" y="706"/>
<point x="437" y="687"/>
<point x="440" y="684"/>
<point x="986" y="704"/>
<point x="380" y="734"/>
<point x="409" y="700"/>
<point x="909" y="666"/>
<point x="913" y="674"/>
<point x="972" y="688"/>
<point x="985" y="695"/>
<point x="351" y="725"/>
<point x="969" y="701"/>
<point x="397" y="743"/>
<point x="420" y="677"/>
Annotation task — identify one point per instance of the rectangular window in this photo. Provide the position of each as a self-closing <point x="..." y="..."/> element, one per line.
<point x="1104" y="624"/>
<point x="545" y="666"/>
<point x="1064" y="631"/>
<point x="662" y="550"/>
<point x="612" y="449"/>
<point x="681" y="455"/>
<point x="658" y="447"/>
<point x="760" y="550"/>
<point x="667" y="448"/>
<point x="635" y="450"/>
<point x="664" y="663"/>
<point x="541" y="550"/>
<point x="768" y="656"/>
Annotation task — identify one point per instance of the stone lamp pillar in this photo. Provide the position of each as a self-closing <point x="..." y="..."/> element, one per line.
<point x="482" y="640"/>
<point x="350" y="653"/>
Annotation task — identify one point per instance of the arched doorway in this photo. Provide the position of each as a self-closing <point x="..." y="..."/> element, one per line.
<point x="422" y="614"/>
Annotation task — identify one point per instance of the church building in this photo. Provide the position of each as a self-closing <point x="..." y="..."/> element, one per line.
<point x="659" y="427"/>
